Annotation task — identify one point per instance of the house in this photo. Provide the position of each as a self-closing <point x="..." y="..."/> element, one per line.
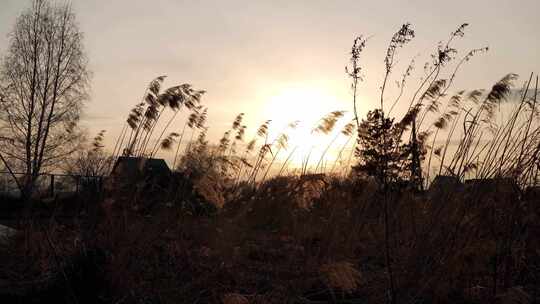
<point x="445" y="181"/>
<point x="129" y="171"/>
<point x="499" y="189"/>
<point x="499" y="185"/>
<point x="443" y="186"/>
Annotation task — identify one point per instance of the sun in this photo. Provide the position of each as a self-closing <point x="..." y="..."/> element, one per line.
<point x="298" y="101"/>
<point x="304" y="105"/>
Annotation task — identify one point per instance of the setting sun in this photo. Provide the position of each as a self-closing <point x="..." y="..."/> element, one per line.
<point x="237" y="152"/>
<point x="303" y="103"/>
<point x="306" y="105"/>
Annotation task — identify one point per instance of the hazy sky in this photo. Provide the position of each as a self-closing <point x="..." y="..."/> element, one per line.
<point x="279" y="59"/>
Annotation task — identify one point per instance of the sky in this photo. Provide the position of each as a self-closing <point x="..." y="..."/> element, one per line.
<point x="280" y="60"/>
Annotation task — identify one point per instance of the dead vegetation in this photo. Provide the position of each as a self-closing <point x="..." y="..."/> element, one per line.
<point x="224" y="228"/>
<point x="264" y="248"/>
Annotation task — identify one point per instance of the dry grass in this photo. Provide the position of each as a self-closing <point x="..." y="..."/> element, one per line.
<point x="341" y="276"/>
<point x="223" y="229"/>
<point x="264" y="248"/>
<point x="234" y="298"/>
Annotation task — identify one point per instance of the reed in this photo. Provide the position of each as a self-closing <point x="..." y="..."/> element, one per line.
<point x="145" y="116"/>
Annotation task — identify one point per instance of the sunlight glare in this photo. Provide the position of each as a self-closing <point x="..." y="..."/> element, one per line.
<point x="307" y="105"/>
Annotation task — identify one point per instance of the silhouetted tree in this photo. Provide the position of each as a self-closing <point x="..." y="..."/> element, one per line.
<point x="377" y="150"/>
<point x="43" y="83"/>
<point x="381" y="152"/>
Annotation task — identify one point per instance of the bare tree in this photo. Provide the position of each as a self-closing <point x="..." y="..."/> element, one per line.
<point x="43" y="83"/>
<point x="91" y="160"/>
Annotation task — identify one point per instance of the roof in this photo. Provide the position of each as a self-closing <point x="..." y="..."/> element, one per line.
<point x="133" y="166"/>
<point x="444" y="181"/>
<point x="493" y="186"/>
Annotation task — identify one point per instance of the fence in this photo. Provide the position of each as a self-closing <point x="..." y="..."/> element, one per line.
<point x="50" y="185"/>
